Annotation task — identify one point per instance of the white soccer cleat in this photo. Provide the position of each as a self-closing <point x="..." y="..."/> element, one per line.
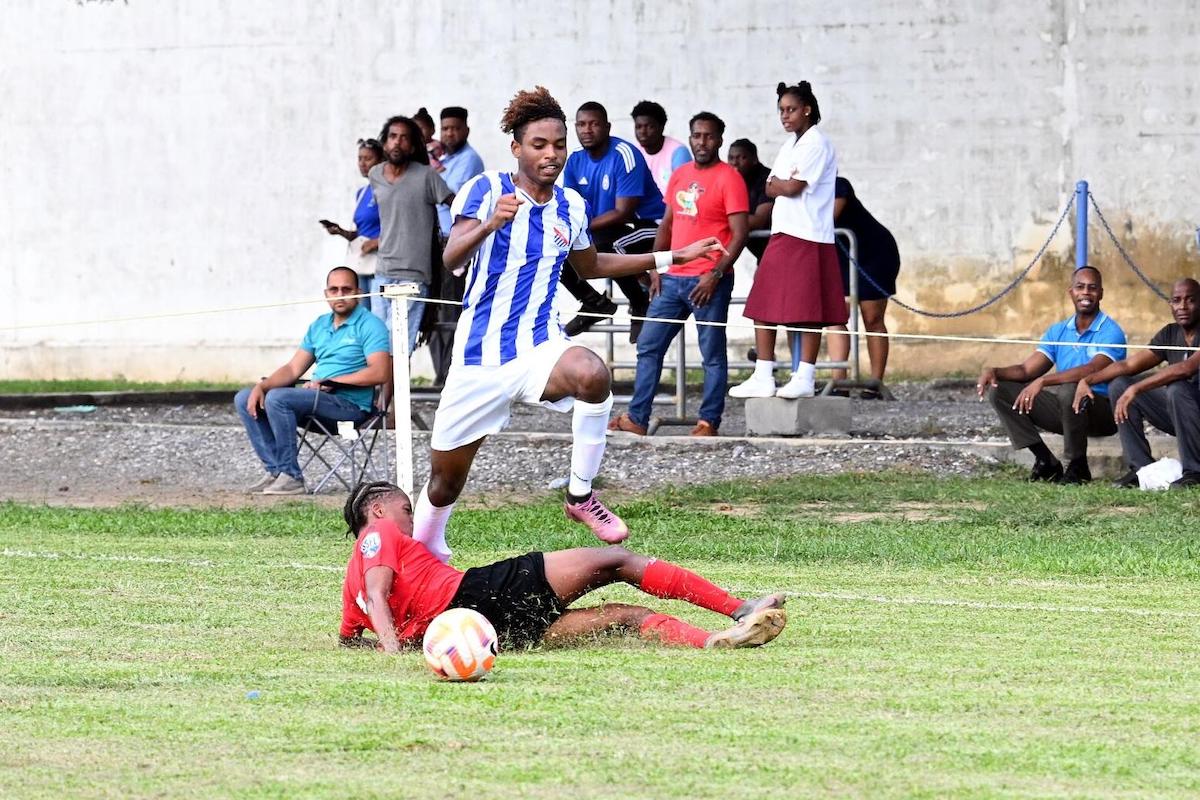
<point x="755" y="386"/>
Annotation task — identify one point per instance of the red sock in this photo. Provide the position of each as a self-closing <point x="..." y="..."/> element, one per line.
<point x="669" y="630"/>
<point x="665" y="580"/>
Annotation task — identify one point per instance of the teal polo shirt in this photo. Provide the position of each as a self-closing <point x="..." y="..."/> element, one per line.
<point x="342" y="350"/>
<point x="1103" y="337"/>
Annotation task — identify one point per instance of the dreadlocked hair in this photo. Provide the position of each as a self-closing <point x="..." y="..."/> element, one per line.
<point x="354" y="512"/>
<point x="530" y="106"/>
<point x="803" y="92"/>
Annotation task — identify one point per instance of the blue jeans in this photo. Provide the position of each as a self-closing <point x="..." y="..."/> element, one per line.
<point x="382" y="308"/>
<point x="273" y="432"/>
<point x="672" y="303"/>
<point x="368" y="284"/>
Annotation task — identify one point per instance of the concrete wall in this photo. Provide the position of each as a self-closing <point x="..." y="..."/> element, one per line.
<point x="165" y="157"/>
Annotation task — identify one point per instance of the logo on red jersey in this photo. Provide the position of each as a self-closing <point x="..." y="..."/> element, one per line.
<point x="370" y="545"/>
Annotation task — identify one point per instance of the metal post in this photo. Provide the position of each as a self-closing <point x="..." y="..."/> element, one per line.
<point x="1081" y="224"/>
<point x="398" y="295"/>
<point x="681" y="372"/>
<point x="854" y="317"/>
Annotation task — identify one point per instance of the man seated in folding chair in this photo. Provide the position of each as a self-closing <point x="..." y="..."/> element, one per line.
<point x="349" y="347"/>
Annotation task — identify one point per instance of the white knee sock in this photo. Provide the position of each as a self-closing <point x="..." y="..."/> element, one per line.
<point x="764" y="369"/>
<point x="429" y="525"/>
<point x="589" y="421"/>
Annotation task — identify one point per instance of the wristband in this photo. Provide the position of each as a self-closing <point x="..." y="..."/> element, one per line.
<point x="663" y="260"/>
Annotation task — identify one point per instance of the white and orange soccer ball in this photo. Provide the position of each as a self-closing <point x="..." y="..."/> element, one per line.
<point x="460" y="645"/>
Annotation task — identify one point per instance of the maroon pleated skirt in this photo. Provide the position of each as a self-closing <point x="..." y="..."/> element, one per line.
<point x="797" y="281"/>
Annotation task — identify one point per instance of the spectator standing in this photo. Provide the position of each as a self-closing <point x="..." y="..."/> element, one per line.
<point x="705" y="197"/>
<point x="363" y="238"/>
<point x="349" y="348"/>
<point x="879" y="258"/>
<point x="664" y="154"/>
<point x="433" y="148"/>
<point x="797" y="282"/>
<point x="743" y="156"/>
<point x="624" y="206"/>
<point x="1168" y="399"/>
<point x="460" y="162"/>
<point x="1027" y="396"/>
<point x="408" y="192"/>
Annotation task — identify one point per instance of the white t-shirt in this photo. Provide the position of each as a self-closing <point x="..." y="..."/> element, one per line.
<point x="808" y="215"/>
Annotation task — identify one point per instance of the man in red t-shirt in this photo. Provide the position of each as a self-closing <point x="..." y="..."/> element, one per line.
<point x="395" y="587"/>
<point x="705" y="197"/>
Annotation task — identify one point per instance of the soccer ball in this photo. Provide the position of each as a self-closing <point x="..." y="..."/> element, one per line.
<point x="460" y="645"/>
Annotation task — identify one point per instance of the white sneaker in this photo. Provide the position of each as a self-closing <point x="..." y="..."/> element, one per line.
<point x="755" y="386"/>
<point x="258" y="488"/>
<point x="796" y="387"/>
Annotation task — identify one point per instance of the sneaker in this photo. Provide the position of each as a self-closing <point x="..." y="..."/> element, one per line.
<point x="1188" y="481"/>
<point x="704" y="428"/>
<point x="1127" y="481"/>
<point x="623" y="422"/>
<point x="286" y="484"/>
<point x="581" y="323"/>
<point x="750" y="606"/>
<point x="607" y="526"/>
<point x="1050" y="471"/>
<point x="1076" y="473"/>
<point x="756" y="386"/>
<point x="258" y="488"/>
<point x="756" y="629"/>
<point x="796" y="387"/>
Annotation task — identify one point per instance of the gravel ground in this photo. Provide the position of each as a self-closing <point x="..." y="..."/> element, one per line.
<point x="198" y="455"/>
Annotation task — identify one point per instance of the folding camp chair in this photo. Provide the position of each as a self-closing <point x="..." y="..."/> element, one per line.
<point x="354" y="454"/>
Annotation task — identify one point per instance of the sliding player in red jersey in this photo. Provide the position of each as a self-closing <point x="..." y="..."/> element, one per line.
<point x="395" y="587"/>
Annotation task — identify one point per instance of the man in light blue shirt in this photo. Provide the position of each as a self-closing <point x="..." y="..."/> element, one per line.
<point x="349" y="348"/>
<point x="1028" y="396"/>
<point x="461" y="162"/>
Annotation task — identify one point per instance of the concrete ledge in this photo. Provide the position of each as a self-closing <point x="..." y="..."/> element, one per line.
<point x="774" y="416"/>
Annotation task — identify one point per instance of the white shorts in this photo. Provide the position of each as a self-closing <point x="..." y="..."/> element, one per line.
<point x="477" y="401"/>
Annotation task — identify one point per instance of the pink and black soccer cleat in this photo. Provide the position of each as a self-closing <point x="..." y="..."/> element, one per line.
<point x="607" y="526"/>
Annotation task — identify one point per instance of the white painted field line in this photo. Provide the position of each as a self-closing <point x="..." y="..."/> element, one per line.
<point x="183" y="562"/>
<point x="985" y="606"/>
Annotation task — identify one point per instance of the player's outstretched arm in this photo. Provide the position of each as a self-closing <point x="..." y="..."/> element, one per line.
<point x="590" y="264"/>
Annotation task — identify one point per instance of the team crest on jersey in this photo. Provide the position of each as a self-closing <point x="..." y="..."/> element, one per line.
<point x="560" y="237"/>
<point x="370" y="545"/>
<point x="604" y="183"/>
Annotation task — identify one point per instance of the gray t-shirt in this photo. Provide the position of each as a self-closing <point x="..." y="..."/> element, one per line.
<point x="1171" y="336"/>
<point x="408" y="218"/>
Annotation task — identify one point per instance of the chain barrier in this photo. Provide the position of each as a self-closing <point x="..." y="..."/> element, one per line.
<point x="973" y="309"/>
<point x="1116" y="243"/>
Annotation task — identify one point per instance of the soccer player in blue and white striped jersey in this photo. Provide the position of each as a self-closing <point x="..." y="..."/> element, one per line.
<point x="517" y="231"/>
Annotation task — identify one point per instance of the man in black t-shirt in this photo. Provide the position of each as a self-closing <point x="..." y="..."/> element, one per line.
<point x="743" y="156"/>
<point x="1169" y="399"/>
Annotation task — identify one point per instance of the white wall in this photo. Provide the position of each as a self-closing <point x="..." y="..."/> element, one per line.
<point x="162" y="157"/>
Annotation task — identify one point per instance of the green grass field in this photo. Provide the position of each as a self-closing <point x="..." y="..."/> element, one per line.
<point x="947" y="638"/>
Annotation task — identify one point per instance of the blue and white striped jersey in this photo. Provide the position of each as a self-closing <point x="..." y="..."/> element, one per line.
<point x="508" y="306"/>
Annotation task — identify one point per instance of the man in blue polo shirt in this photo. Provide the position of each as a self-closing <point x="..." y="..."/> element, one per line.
<point x="1027" y="396"/>
<point x="350" y="349"/>
<point x="624" y="207"/>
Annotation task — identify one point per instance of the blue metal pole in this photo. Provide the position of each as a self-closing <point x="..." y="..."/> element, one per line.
<point x="1081" y="224"/>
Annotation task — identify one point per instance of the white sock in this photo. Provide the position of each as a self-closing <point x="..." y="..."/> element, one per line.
<point x="589" y="421"/>
<point x="806" y="373"/>
<point x="429" y="525"/>
<point x="764" y="369"/>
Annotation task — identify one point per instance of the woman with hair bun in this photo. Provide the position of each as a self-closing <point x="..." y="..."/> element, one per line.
<point x="799" y="281"/>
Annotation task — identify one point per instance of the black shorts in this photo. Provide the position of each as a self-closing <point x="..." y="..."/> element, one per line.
<point x="515" y="597"/>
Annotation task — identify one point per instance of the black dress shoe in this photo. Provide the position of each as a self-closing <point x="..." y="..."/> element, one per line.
<point x="1188" y="480"/>
<point x="1127" y="481"/>
<point x="1051" y="471"/>
<point x="1077" y="472"/>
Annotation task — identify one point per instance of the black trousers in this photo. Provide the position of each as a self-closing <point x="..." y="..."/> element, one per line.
<point x="1052" y="412"/>
<point x="631" y="238"/>
<point x="1173" y="409"/>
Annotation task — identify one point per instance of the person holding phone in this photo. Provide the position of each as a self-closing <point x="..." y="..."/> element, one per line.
<point x="364" y="236"/>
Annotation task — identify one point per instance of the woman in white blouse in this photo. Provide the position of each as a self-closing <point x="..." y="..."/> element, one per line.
<point x="798" y="282"/>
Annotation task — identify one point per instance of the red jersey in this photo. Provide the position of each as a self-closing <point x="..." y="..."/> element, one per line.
<point x="701" y="201"/>
<point x="421" y="589"/>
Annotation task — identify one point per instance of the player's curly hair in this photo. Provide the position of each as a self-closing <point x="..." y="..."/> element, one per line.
<point x="530" y="106"/>
<point x="354" y="512"/>
<point x="803" y="92"/>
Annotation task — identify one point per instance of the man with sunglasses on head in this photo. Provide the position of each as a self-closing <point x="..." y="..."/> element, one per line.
<point x="349" y="349"/>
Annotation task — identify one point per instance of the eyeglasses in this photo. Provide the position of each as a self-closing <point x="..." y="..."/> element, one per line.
<point x="371" y="143"/>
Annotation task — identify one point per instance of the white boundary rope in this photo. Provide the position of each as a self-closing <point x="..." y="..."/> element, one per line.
<point x="936" y="337"/>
